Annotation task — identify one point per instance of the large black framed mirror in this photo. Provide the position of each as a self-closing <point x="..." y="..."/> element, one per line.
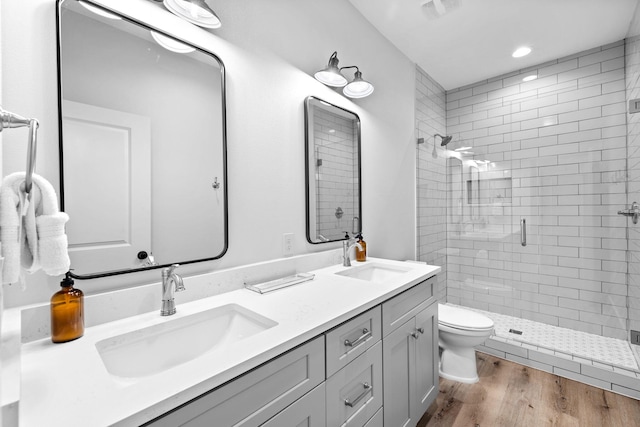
<point x="142" y="143"/>
<point x="333" y="181"/>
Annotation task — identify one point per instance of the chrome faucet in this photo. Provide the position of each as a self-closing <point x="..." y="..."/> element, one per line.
<point x="169" y="277"/>
<point x="347" y="244"/>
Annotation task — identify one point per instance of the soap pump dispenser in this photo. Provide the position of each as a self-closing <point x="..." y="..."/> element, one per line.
<point x="67" y="312"/>
<point x="361" y="254"/>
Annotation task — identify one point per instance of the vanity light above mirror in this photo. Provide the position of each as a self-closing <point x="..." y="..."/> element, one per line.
<point x="332" y="76"/>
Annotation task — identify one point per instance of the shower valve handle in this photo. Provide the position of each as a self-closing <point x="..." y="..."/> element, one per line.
<point x="633" y="212"/>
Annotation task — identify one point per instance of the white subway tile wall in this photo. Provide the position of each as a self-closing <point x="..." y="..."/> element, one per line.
<point x="431" y="177"/>
<point x="633" y="165"/>
<point x="336" y="144"/>
<point x="551" y="151"/>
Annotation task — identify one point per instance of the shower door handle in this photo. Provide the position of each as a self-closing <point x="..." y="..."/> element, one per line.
<point x="523" y="232"/>
<point x="633" y="212"/>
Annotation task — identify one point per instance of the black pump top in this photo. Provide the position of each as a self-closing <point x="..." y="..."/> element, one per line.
<point x="67" y="281"/>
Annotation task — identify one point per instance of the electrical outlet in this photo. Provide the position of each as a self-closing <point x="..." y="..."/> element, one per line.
<point x="635" y="337"/>
<point x="287" y="244"/>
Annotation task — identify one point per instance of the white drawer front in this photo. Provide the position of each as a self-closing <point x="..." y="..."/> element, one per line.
<point x="403" y="307"/>
<point x="354" y="393"/>
<point x="255" y="397"/>
<point x="349" y="340"/>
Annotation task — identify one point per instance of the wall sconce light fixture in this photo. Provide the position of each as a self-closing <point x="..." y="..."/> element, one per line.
<point x="332" y="76"/>
<point x="195" y="11"/>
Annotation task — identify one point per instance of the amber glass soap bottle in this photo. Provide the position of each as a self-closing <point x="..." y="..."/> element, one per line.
<point x="67" y="312"/>
<point x="361" y="254"/>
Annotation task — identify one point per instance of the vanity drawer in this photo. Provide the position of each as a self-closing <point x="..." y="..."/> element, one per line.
<point x="346" y="342"/>
<point x="255" y="397"/>
<point x="403" y="307"/>
<point x="377" y="420"/>
<point x="308" y="411"/>
<point x="354" y="393"/>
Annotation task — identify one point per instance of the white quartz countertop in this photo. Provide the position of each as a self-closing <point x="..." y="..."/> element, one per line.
<point x="68" y="384"/>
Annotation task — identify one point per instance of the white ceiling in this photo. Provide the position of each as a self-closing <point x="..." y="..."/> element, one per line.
<point x="473" y="40"/>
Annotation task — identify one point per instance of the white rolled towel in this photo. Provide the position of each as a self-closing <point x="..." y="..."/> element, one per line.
<point x="36" y="240"/>
<point x="52" y="243"/>
<point x="10" y="238"/>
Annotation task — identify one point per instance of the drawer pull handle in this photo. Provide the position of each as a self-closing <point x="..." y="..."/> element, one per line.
<point x="365" y="334"/>
<point x="351" y="404"/>
<point x="421" y="330"/>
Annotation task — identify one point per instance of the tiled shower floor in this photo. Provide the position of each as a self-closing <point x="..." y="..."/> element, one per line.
<point x="592" y="347"/>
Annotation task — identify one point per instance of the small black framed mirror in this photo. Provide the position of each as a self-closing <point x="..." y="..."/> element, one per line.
<point x="333" y="175"/>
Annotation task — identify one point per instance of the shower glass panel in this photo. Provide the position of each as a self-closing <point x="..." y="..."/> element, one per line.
<point x="482" y="234"/>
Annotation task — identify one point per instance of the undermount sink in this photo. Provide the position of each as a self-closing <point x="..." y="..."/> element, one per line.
<point x="377" y="273"/>
<point x="159" y="347"/>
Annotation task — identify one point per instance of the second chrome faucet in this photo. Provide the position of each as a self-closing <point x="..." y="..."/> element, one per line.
<point x="347" y="244"/>
<point x="171" y="282"/>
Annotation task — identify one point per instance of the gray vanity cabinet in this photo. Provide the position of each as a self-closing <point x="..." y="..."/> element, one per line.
<point x="410" y="351"/>
<point x="377" y="369"/>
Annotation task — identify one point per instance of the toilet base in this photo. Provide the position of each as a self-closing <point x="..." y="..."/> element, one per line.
<point x="459" y="364"/>
<point x="463" y="380"/>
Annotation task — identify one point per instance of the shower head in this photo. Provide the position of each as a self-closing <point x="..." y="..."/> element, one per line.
<point x="445" y="139"/>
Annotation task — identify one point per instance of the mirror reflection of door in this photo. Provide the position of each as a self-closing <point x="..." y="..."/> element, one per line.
<point x="108" y="170"/>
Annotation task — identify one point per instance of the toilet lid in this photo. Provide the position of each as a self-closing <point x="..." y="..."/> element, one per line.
<point x="461" y="318"/>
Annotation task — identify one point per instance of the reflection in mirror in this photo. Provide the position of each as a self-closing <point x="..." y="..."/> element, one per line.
<point x="332" y="150"/>
<point x="481" y="194"/>
<point x="143" y="149"/>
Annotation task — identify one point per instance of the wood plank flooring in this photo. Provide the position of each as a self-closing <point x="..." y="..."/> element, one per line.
<point x="513" y="395"/>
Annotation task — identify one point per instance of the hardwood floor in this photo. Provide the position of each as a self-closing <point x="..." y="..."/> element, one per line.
<point x="513" y="395"/>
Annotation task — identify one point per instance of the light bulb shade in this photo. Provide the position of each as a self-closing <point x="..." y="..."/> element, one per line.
<point x="98" y="11"/>
<point x="195" y="11"/>
<point x="331" y="75"/>
<point x="358" y="88"/>
<point x="171" y="44"/>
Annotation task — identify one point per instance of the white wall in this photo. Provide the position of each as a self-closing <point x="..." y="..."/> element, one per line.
<point x="270" y="49"/>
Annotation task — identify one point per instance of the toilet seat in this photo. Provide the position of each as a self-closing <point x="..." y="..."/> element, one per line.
<point x="463" y="319"/>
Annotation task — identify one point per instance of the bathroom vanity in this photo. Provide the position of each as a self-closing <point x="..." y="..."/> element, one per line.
<point x="356" y="346"/>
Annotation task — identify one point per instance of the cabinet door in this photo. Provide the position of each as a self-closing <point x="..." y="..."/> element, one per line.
<point x="398" y="353"/>
<point x="426" y="368"/>
<point x="308" y="411"/>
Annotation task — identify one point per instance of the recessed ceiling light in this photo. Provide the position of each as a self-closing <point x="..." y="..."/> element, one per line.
<point x="521" y="51"/>
<point x="529" y="78"/>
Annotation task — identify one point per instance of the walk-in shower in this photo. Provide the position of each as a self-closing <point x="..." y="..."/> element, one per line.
<point x="562" y="156"/>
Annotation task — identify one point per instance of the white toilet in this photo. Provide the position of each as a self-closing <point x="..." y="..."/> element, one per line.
<point x="459" y="331"/>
